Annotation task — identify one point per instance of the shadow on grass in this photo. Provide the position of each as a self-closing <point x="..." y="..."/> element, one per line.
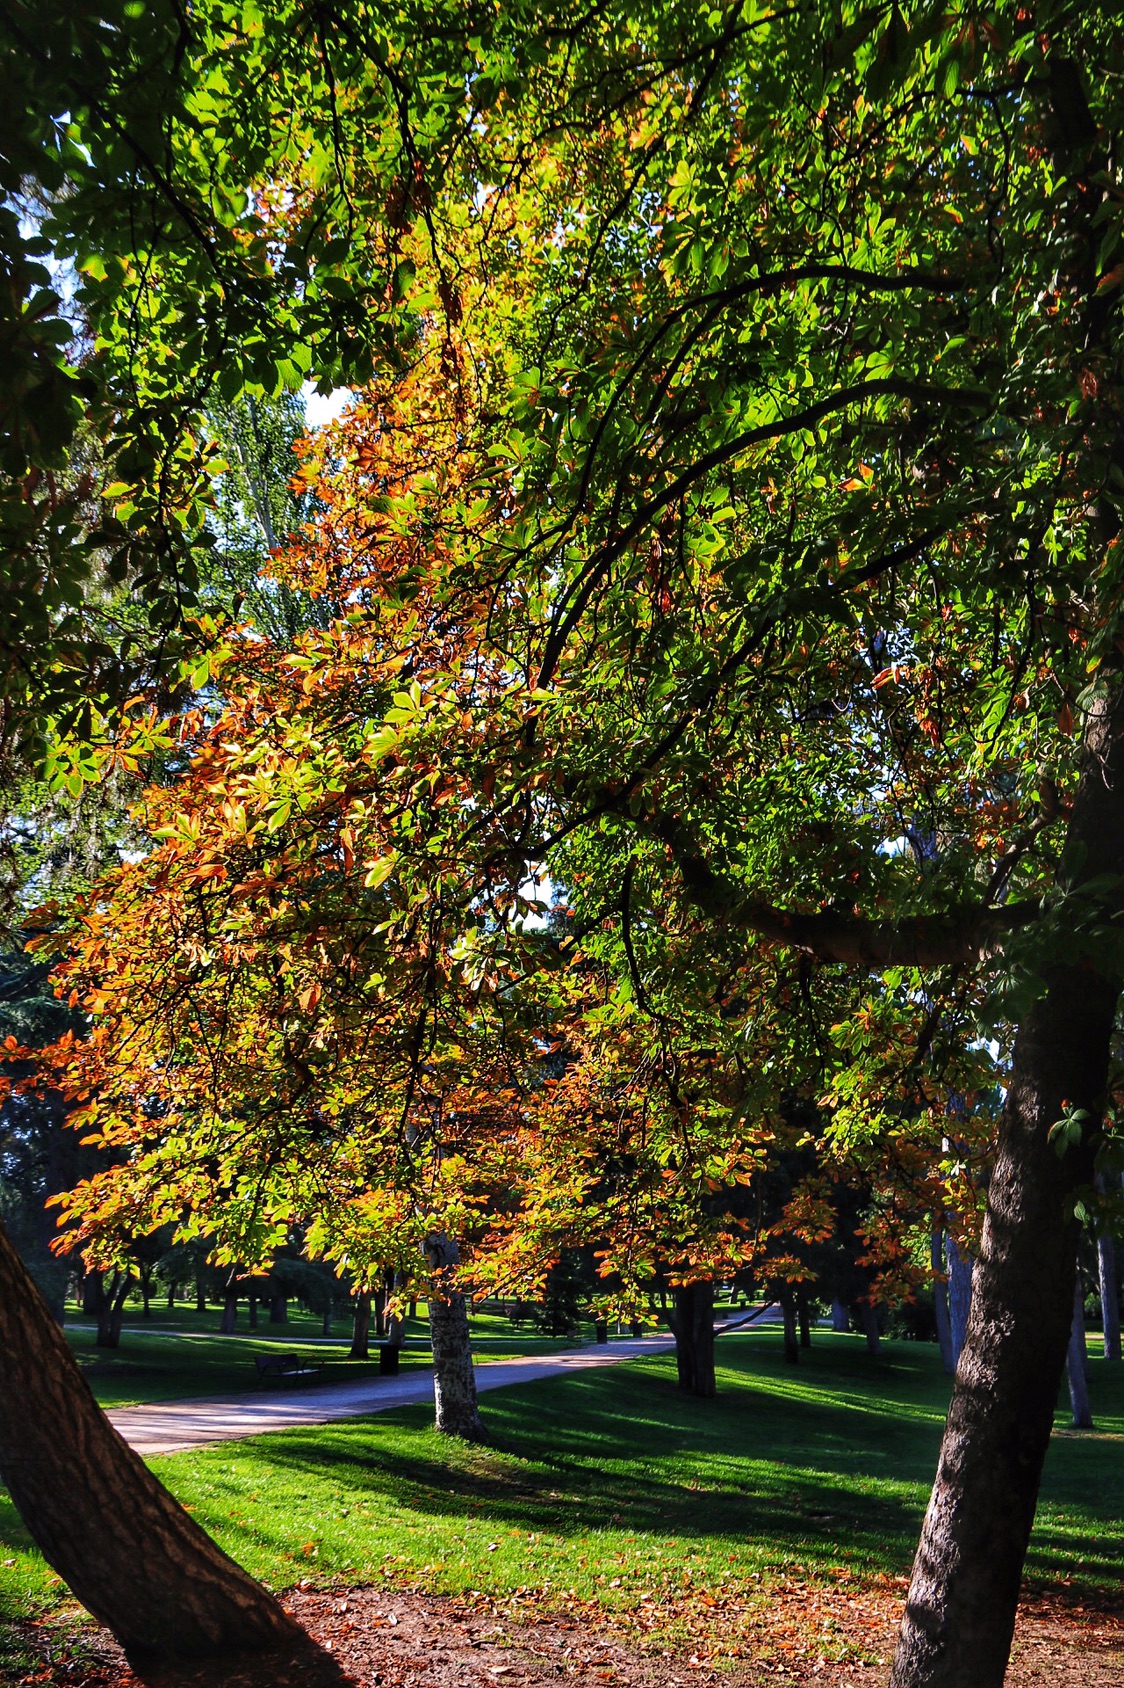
<point x="834" y="1458"/>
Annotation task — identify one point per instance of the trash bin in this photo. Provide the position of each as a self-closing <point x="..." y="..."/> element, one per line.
<point x="601" y="1330"/>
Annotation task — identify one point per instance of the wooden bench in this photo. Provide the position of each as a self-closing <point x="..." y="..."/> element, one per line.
<point x="286" y="1368"/>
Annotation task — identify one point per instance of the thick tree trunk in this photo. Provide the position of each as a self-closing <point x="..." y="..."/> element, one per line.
<point x="454" y="1380"/>
<point x="788" y="1316"/>
<point x="941" y="1308"/>
<point x="1077" y="1364"/>
<point x="692" y="1322"/>
<point x="840" y="1317"/>
<point x="960" y="1611"/>
<point x="91" y="1289"/>
<point x="960" y="1271"/>
<point x="1109" y="1285"/>
<point x="129" y="1552"/>
<point x="278" y="1310"/>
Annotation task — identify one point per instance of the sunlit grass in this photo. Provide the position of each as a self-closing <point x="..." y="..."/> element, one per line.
<point x="612" y="1485"/>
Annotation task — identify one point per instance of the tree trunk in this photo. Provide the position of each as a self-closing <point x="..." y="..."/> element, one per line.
<point x="1077" y="1363"/>
<point x="788" y="1315"/>
<point x="127" y="1550"/>
<point x="840" y="1318"/>
<point x="941" y="1307"/>
<point x="200" y="1292"/>
<point x="960" y="1270"/>
<point x="278" y="1310"/>
<point x="361" y="1328"/>
<point x="692" y="1322"/>
<point x="91" y="1287"/>
<point x="1109" y="1284"/>
<point x="454" y="1380"/>
<point x="229" y="1322"/>
<point x="960" y="1611"/>
<point x="110" y="1308"/>
<point x="380" y="1311"/>
<point x="252" y="1310"/>
<point x="868" y="1319"/>
<point x="326" y="1322"/>
<point x="172" y="1295"/>
<point x="146" y="1292"/>
<point x="803" y="1318"/>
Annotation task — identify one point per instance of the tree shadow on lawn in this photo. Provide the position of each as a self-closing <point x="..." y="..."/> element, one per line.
<point x="630" y="1454"/>
<point x="829" y="1461"/>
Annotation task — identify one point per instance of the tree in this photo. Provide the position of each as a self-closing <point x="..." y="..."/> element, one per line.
<point x="799" y="539"/>
<point x="112" y="1531"/>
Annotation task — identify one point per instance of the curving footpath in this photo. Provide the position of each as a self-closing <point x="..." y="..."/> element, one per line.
<point x="167" y="1427"/>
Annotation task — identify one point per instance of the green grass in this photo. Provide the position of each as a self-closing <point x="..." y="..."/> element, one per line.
<point x="611" y="1485"/>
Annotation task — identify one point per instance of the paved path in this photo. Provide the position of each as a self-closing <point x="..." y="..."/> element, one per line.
<point x="166" y="1427"/>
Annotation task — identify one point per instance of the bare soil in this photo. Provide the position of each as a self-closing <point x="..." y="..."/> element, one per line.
<point x="794" y="1635"/>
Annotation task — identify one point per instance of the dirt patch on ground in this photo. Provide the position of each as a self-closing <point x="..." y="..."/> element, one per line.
<point x="793" y="1635"/>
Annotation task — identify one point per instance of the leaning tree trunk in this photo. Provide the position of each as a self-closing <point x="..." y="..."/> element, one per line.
<point x="960" y="1611"/>
<point x="126" y="1548"/>
<point x="454" y="1379"/>
<point x="692" y="1323"/>
<point x="1077" y="1364"/>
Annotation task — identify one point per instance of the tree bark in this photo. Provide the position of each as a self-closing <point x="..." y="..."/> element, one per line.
<point x="278" y="1310"/>
<point x="941" y="1308"/>
<point x="326" y="1322"/>
<point x="1077" y="1364"/>
<point x="91" y="1284"/>
<point x="803" y="1318"/>
<point x="124" y="1546"/>
<point x="361" y="1328"/>
<point x="454" y="1380"/>
<point x="252" y="1310"/>
<point x="228" y="1324"/>
<point x="960" y="1611"/>
<point x="840" y="1318"/>
<point x="1109" y="1284"/>
<point x="692" y="1322"/>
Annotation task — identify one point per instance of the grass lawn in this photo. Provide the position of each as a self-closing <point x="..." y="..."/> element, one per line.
<point x="611" y="1485"/>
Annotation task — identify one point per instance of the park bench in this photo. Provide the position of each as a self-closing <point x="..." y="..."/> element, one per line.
<point x="286" y="1368"/>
